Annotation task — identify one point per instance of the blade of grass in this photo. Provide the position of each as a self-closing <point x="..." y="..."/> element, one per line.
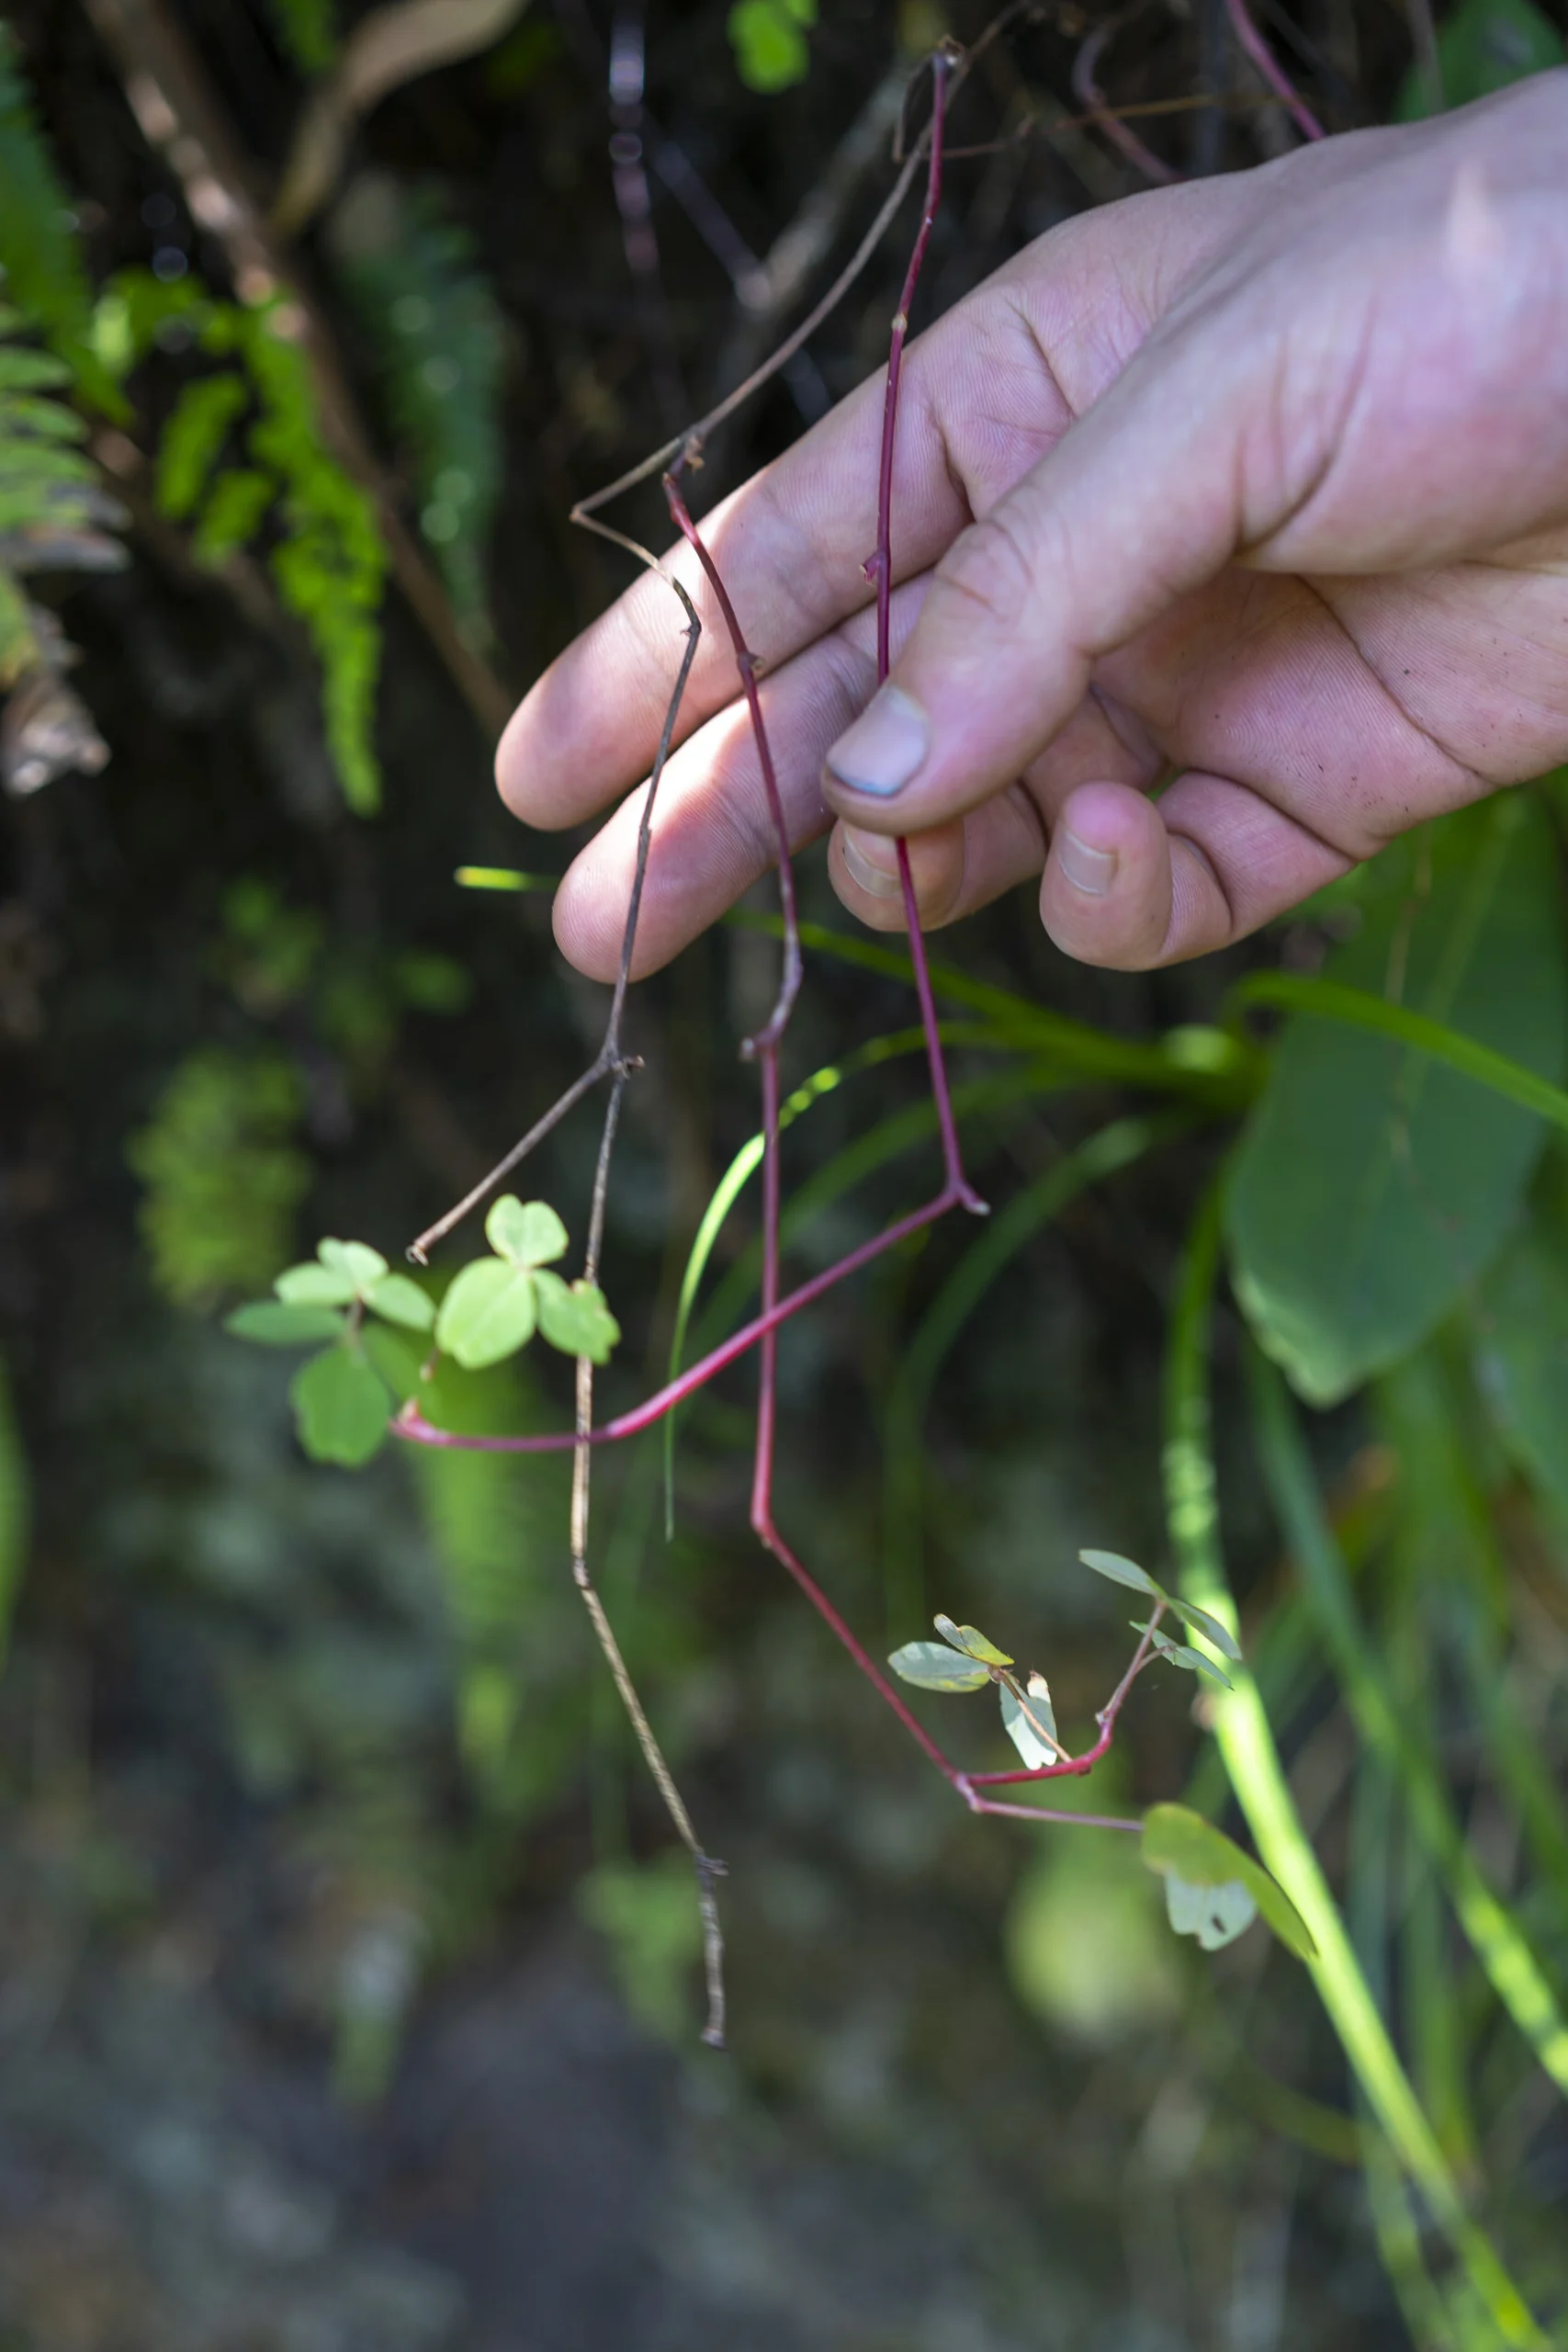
<point x="1263" y="1791"/>
<point x="1490" y="1927"/>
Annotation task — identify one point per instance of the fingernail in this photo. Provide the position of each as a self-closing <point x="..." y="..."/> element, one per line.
<point x="1093" y="871"/>
<point x="862" y="854"/>
<point x="887" y="745"/>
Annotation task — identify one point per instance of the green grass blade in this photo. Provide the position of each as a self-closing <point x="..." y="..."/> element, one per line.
<point x="1328" y="1001"/>
<point x="1258" y="1776"/>
<point x="1113" y="1147"/>
<point x="1494" y="1934"/>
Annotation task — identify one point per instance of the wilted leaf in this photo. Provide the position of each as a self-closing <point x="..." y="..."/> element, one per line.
<point x="401" y="1301"/>
<point x="575" y="1318"/>
<point x="1373" y="1183"/>
<point x="273" y="1323"/>
<point x="971" y="1641"/>
<point x="315" y="1285"/>
<point x="343" y="1407"/>
<point x="1216" y="1915"/>
<point x="1177" y="1839"/>
<point x="1033" y="1749"/>
<point x="1121" y="1571"/>
<point x="529" y="1233"/>
<point x="488" y="1312"/>
<point x="932" y="1666"/>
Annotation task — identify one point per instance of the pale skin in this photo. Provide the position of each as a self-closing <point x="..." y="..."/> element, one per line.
<point x="1255" y="490"/>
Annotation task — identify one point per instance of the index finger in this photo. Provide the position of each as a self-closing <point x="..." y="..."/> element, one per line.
<point x="986" y="392"/>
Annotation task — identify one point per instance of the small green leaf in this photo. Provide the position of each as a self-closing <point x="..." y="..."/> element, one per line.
<point x="314" y="1286"/>
<point x="932" y="1666"/>
<point x="401" y="1301"/>
<point x="489" y="1313"/>
<point x="1032" y="1747"/>
<point x="1192" y="1661"/>
<point x="529" y="1233"/>
<point x="363" y="1265"/>
<point x="1199" y="1620"/>
<point x="574" y="1318"/>
<point x="971" y="1641"/>
<point x="1216" y="1915"/>
<point x="343" y="1407"/>
<point x="272" y="1323"/>
<point x="1121" y="1571"/>
<point x="1178" y="1840"/>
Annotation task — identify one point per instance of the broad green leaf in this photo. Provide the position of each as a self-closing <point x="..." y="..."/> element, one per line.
<point x="933" y="1666"/>
<point x="1522" y="1350"/>
<point x="363" y="1265"/>
<point x="1216" y="1915"/>
<point x="1373" y="1182"/>
<point x="528" y="1232"/>
<point x="574" y="1318"/>
<point x="276" y="1323"/>
<point x="314" y="1286"/>
<point x="1121" y="1571"/>
<point x="1482" y="45"/>
<point x="971" y="1641"/>
<point x="1177" y="1839"/>
<point x="1032" y="1747"/>
<point x="488" y="1312"/>
<point x="343" y="1407"/>
<point x="401" y="1301"/>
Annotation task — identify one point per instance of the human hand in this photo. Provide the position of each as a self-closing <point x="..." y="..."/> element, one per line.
<point x="1261" y="479"/>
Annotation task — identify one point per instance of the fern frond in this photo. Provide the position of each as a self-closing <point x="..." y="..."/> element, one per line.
<point x="40" y="258"/>
<point x="325" y="553"/>
<point x="433" y="327"/>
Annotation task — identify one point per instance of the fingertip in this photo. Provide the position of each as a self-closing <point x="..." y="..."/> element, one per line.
<point x="1106" y="894"/>
<point x="863" y="869"/>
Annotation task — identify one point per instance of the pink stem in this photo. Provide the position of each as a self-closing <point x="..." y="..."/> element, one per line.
<point x="1086" y="90"/>
<point x="1273" y="72"/>
<point x="880" y="570"/>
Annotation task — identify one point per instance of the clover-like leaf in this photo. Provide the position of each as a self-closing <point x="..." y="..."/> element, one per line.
<point x="489" y="1313"/>
<point x="1121" y="1571"/>
<point x="363" y="1265"/>
<point x="574" y="1318"/>
<point x="315" y="1285"/>
<point x="342" y="1406"/>
<point x="1032" y="1726"/>
<point x="1216" y="1915"/>
<point x="1177" y="1840"/>
<point x="930" y="1666"/>
<point x="401" y="1301"/>
<point x="273" y="1323"/>
<point x="971" y="1641"/>
<point x="528" y="1233"/>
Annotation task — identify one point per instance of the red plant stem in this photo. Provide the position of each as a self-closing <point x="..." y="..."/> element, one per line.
<point x="1273" y="72"/>
<point x="1086" y="90"/>
<point x="880" y="571"/>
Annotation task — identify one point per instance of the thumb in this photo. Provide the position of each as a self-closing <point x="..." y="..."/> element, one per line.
<point x="1144" y="498"/>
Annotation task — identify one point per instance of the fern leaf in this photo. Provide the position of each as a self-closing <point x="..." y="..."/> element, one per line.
<point x="433" y="327"/>
<point x="192" y="439"/>
<point x="40" y="254"/>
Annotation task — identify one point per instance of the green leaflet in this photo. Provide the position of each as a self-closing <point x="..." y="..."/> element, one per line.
<point x="1482" y="45"/>
<point x="307" y="30"/>
<point x="769" y="40"/>
<point x="436" y="336"/>
<point x="1373" y="1182"/>
<point x="342" y="1405"/>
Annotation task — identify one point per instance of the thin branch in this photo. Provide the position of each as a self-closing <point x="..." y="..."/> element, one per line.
<point x="1088" y="94"/>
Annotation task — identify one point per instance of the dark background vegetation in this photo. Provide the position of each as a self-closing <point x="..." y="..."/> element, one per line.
<point x="347" y="1986"/>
